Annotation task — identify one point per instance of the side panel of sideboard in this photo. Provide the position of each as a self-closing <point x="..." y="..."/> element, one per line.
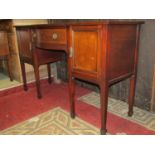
<point x="24" y="43"/>
<point x="121" y="53"/>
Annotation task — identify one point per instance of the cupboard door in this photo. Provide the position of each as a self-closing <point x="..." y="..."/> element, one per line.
<point x="85" y="47"/>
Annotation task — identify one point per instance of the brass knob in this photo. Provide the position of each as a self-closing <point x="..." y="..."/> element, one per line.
<point x="30" y="46"/>
<point x="34" y="35"/>
<point x="54" y="36"/>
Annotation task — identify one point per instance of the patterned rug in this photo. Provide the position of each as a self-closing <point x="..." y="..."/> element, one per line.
<point x="120" y="108"/>
<point x="54" y="122"/>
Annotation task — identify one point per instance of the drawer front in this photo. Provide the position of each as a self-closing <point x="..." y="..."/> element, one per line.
<point x="50" y="36"/>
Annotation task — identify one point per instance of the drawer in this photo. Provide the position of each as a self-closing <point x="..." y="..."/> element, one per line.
<point x="50" y="36"/>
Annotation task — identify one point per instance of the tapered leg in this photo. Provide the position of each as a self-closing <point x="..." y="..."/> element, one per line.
<point x="37" y="77"/>
<point x="24" y="76"/>
<point x="49" y="73"/>
<point x="72" y="96"/>
<point x="104" y="103"/>
<point x="131" y="94"/>
<point x="9" y="68"/>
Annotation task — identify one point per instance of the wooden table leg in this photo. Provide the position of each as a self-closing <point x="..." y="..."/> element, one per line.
<point x="131" y="94"/>
<point x="24" y="76"/>
<point x="49" y="73"/>
<point x="37" y="77"/>
<point x="104" y="102"/>
<point x="9" y="68"/>
<point x="72" y="96"/>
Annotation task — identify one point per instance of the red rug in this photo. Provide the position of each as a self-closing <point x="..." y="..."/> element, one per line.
<point x="17" y="105"/>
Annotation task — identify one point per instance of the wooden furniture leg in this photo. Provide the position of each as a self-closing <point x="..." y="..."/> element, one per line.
<point x="152" y="106"/>
<point x="131" y="94"/>
<point x="9" y="68"/>
<point x="72" y="96"/>
<point x="49" y="73"/>
<point x="37" y="77"/>
<point x="24" y="76"/>
<point x="104" y="102"/>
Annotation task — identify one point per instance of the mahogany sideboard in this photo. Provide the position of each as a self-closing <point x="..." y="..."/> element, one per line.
<point x="103" y="53"/>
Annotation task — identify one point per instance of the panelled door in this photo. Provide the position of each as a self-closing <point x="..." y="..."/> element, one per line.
<point x="85" y="47"/>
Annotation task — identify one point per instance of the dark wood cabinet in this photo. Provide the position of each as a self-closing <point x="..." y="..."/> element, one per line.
<point x="99" y="52"/>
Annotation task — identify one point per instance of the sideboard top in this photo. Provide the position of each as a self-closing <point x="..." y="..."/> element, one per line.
<point x="104" y="22"/>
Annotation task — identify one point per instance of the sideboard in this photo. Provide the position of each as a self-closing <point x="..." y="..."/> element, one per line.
<point x="103" y="53"/>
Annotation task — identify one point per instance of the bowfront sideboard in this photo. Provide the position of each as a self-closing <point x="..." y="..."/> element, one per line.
<point x="103" y="53"/>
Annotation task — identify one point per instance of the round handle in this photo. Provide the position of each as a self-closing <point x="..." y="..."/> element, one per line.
<point x="54" y="36"/>
<point x="34" y="35"/>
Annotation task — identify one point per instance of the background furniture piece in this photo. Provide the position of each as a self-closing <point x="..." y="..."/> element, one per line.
<point x="103" y="53"/>
<point x="4" y="52"/>
<point x="8" y="26"/>
<point x="152" y="106"/>
<point x="34" y="56"/>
